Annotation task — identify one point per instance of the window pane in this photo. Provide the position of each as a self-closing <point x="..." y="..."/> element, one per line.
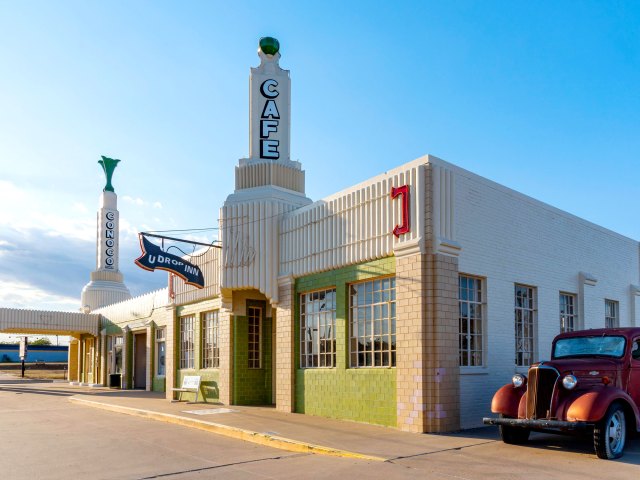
<point x="372" y="323"/>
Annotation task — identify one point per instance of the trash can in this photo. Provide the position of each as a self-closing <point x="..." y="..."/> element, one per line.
<point x="115" y="380"/>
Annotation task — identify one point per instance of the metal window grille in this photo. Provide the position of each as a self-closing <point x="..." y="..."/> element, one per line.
<point x="210" y="340"/>
<point x="373" y="323"/>
<point x="186" y="341"/>
<point x="471" y="321"/>
<point x="611" y="318"/>
<point x="525" y="318"/>
<point x="568" y="316"/>
<point x="318" y="329"/>
<point x="254" y="320"/>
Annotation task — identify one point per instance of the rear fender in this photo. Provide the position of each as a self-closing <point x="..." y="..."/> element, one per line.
<point x="592" y="406"/>
<point x="507" y="399"/>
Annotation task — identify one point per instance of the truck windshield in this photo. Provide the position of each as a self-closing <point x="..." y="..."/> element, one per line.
<point x="607" y="346"/>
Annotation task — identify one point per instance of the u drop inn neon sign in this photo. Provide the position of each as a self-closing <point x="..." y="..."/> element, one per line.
<point x="269" y="120"/>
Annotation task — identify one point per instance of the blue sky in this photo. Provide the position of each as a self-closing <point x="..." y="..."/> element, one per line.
<point x="542" y="97"/>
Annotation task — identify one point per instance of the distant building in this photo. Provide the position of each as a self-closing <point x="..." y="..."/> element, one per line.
<point x="405" y="300"/>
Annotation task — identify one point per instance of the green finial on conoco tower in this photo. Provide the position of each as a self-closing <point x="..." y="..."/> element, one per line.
<point x="269" y="45"/>
<point x="108" y="165"/>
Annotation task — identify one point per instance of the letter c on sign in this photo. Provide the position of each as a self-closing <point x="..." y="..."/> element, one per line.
<point x="110" y="216"/>
<point x="266" y="89"/>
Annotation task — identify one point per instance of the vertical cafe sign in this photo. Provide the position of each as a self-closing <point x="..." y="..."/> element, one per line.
<point x="270" y="102"/>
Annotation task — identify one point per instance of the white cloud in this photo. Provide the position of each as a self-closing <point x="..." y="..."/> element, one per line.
<point x="22" y="295"/>
<point x="80" y="207"/>
<point x="27" y="209"/>
<point x="157" y="205"/>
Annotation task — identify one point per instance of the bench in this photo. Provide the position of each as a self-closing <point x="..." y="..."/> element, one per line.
<point x="190" y="383"/>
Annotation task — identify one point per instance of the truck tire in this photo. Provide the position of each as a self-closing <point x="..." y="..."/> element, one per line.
<point x="610" y="433"/>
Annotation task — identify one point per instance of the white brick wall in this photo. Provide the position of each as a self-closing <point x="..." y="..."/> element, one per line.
<point x="510" y="238"/>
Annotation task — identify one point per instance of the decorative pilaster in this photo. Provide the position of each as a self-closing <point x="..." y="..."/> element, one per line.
<point x="127" y="349"/>
<point x="634" y="311"/>
<point x="151" y="332"/>
<point x="171" y="346"/>
<point x="103" y="357"/>
<point x="225" y="382"/>
<point x="284" y="342"/>
<point x="588" y="301"/>
<point x="427" y="343"/>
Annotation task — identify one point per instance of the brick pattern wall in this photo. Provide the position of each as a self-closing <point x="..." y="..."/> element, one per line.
<point x="442" y="378"/>
<point x="360" y="394"/>
<point x="411" y="339"/>
<point x="209" y="377"/>
<point x="284" y="346"/>
<point x="427" y="343"/>
<point x="225" y="380"/>
<point x="509" y="238"/>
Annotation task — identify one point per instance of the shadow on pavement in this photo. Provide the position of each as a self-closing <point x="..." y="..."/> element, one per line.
<point x="579" y="444"/>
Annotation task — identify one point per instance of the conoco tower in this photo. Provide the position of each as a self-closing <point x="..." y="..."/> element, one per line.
<point x="106" y="285"/>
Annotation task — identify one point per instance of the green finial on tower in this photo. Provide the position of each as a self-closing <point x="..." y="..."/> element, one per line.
<point x="269" y="45"/>
<point x="108" y="165"/>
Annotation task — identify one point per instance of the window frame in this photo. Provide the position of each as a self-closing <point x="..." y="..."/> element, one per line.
<point x="210" y="354"/>
<point x="158" y="341"/>
<point x="480" y="303"/>
<point x="187" y="337"/>
<point x="251" y="359"/>
<point x="391" y="303"/>
<point x="317" y="356"/>
<point x="616" y="313"/>
<point x="115" y="343"/>
<point x="527" y="356"/>
<point x="565" y="316"/>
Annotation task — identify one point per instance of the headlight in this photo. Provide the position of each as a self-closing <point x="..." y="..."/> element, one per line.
<point x="569" y="382"/>
<point x="518" y="380"/>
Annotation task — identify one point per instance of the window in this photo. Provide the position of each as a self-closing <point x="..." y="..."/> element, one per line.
<point x="210" y="340"/>
<point x="254" y="320"/>
<point x="160" y="351"/>
<point x="525" y="318"/>
<point x="568" y="317"/>
<point x="318" y="329"/>
<point x="114" y="353"/>
<point x="373" y="323"/>
<point x="186" y="341"/>
<point x="611" y="319"/>
<point x="470" y="315"/>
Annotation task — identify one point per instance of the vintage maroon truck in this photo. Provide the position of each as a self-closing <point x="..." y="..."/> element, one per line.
<point x="590" y="385"/>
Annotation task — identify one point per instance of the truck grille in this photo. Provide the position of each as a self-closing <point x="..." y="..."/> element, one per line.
<point x="541" y="383"/>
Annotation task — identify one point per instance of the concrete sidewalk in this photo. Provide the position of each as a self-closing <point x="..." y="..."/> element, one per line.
<point x="288" y="431"/>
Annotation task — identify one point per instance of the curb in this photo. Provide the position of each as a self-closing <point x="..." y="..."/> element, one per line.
<point x="265" y="439"/>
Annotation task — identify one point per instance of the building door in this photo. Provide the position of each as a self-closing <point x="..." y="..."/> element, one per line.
<point x="140" y="361"/>
<point x="253" y="366"/>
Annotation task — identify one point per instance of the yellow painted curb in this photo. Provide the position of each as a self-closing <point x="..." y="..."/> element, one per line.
<point x="228" y="431"/>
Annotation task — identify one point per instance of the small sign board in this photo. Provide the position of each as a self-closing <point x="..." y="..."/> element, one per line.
<point x="23" y="347"/>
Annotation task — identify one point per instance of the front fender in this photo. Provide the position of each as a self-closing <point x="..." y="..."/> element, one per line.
<point x="591" y="406"/>
<point x="507" y="399"/>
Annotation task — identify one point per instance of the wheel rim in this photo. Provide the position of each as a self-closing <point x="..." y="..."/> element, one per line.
<point x="616" y="432"/>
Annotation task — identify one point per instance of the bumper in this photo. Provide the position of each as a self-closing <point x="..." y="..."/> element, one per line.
<point x="537" y="424"/>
